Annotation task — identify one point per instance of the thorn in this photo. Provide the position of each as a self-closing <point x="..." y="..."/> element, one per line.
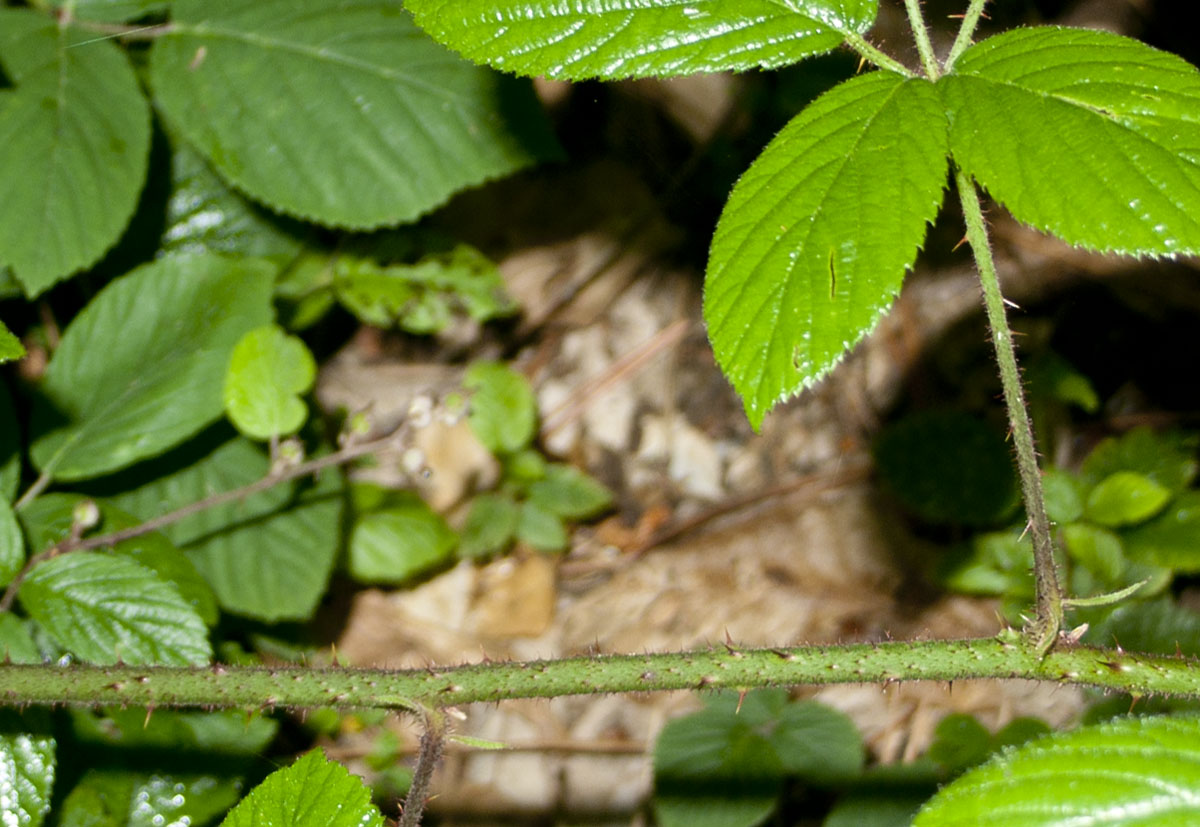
<point x="1133" y="699"/>
<point x="960" y="243"/>
<point x="1012" y="304"/>
<point x="729" y="647"/>
<point x="149" y="712"/>
<point x="333" y="656"/>
<point x="862" y="61"/>
<point x="741" y="697"/>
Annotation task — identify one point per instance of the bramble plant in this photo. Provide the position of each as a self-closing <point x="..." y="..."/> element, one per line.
<point x="271" y="118"/>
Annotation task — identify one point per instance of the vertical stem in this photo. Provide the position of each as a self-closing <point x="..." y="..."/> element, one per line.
<point x="965" y="32"/>
<point x="433" y="742"/>
<point x="1044" y="628"/>
<point x="921" y="36"/>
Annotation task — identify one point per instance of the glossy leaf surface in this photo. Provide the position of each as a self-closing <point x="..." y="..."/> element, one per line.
<point x="107" y="609"/>
<point x="129" y="391"/>
<point x="76" y="135"/>
<point x="27" y="770"/>
<point x="359" y="120"/>
<point x="1134" y="770"/>
<point x="1089" y="136"/>
<point x="637" y="38"/>
<point x="815" y="239"/>
<point x="312" y="792"/>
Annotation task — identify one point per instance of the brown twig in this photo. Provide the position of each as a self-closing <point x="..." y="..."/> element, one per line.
<point x="433" y="743"/>
<point x="277" y="476"/>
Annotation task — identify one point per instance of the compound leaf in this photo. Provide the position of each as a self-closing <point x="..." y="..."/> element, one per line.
<point x="312" y="792"/>
<point x="107" y="609"/>
<point x="1087" y="135"/>
<point x="617" y="38"/>
<point x="359" y="120"/>
<point x="267" y="372"/>
<point x="141" y="368"/>
<point x="1145" y="769"/>
<point x="814" y="241"/>
<point x="76" y="136"/>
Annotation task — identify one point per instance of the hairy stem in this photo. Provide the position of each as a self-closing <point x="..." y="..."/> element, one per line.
<point x="873" y="55"/>
<point x="1045" y="626"/>
<point x="921" y="36"/>
<point x="1009" y="655"/>
<point x="433" y="744"/>
<point x="965" y="32"/>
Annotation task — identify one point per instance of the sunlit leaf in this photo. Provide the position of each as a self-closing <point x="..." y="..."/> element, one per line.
<point x="312" y="792"/>
<point x="268" y="371"/>
<point x="10" y="346"/>
<point x="1087" y="135"/>
<point x="1136" y="770"/>
<point x="27" y="769"/>
<point x="608" y="39"/>
<point x="503" y="409"/>
<point x="815" y="239"/>
<point x="1125" y="498"/>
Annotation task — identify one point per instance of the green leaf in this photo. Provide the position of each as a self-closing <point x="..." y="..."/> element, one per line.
<point x="814" y="241"/>
<point x="1051" y="376"/>
<point x="540" y="529"/>
<point x="816" y="742"/>
<point x="141" y="368"/>
<point x="1167" y="458"/>
<point x="1064" y="495"/>
<point x="569" y="493"/>
<point x="960" y="741"/>
<point x="16" y="642"/>
<point x="998" y="562"/>
<point x="10" y="447"/>
<point x="268" y="372"/>
<point x="76" y="137"/>
<point x="399" y="542"/>
<point x="27" y="769"/>
<point x="1086" y="135"/>
<point x="1126" y="498"/>
<point x="205" y="216"/>
<point x="268" y="556"/>
<point x="875" y="809"/>
<point x="227" y="734"/>
<point x="948" y="467"/>
<point x="107" y="609"/>
<point x="1137" y="769"/>
<point x="603" y="39"/>
<point x="1172" y="539"/>
<point x="12" y="544"/>
<point x="312" y="792"/>
<point x="490" y="527"/>
<point x="503" y="408"/>
<point x="1098" y="550"/>
<point x="10" y="346"/>
<point x="422" y="297"/>
<point x="359" y="120"/>
<point x="120" y="798"/>
<point x="1160" y="627"/>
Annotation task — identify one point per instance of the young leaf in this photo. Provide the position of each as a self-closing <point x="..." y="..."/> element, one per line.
<point x="399" y="542"/>
<point x="603" y="39"/>
<point x="140" y="369"/>
<point x="293" y="530"/>
<point x="569" y="493"/>
<point x="1125" y="498"/>
<point x="814" y="241"/>
<point x="312" y="792"/>
<point x="1145" y="769"/>
<point x="107" y="609"/>
<point x="27" y="769"/>
<point x="76" y="136"/>
<point x="1083" y="134"/>
<point x="503" y="409"/>
<point x="1097" y="550"/>
<point x="267" y="373"/>
<point x="12" y="544"/>
<point x="491" y="525"/>
<point x="1064" y="495"/>
<point x="359" y="120"/>
<point x="1167" y="458"/>
<point x="541" y="529"/>
<point x="10" y="346"/>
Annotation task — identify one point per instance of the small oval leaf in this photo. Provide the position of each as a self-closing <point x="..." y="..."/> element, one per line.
<point x="268" y="370"/>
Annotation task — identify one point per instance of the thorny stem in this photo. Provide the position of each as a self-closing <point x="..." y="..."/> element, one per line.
<point x="276" y="477"/>
<point x="433" y="744"/>
<point x="1007" y="656"/>
<point x="965" y="32"/>
<point x="921" y="36"/>
<point x="1044" y="628"/>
